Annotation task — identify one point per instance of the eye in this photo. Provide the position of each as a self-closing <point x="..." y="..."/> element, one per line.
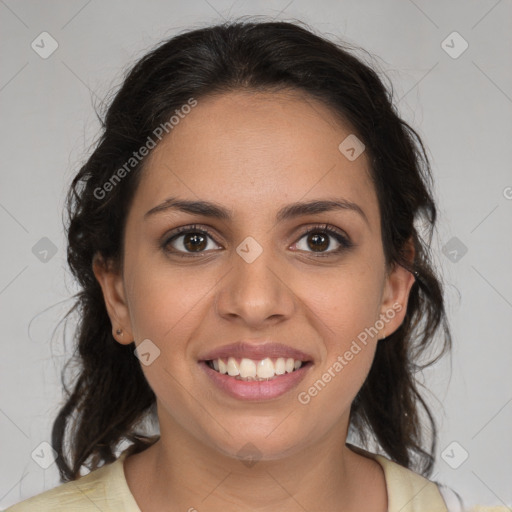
<point x="188" y="240"/>
<point x="319" y="238"/>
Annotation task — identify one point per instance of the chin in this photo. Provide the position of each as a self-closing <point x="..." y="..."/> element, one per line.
<point x="263" y="444"/>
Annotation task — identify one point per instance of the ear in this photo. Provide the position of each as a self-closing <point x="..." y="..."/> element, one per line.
<point x="395" y="294"/>
<point x="111" y="282"/>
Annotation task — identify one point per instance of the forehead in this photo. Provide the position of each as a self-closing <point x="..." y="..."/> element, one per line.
<point x="255" y="150"/>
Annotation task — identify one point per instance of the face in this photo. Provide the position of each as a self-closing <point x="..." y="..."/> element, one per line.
<point x="255" y="274"/>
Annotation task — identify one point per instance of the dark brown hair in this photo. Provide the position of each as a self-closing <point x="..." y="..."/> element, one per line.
<point x="110" y="396"/>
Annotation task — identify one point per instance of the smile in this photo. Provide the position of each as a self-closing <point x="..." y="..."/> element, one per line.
<point x="252" y="387"/>
<point x="253" y="370"/>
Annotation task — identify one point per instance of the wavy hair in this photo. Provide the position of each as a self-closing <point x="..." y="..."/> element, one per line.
<point x="110" y="397"/>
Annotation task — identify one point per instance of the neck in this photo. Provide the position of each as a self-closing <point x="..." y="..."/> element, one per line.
<point x="179" y="472"/>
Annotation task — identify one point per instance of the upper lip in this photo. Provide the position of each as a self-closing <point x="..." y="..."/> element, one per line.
<point x="256" y="351"/>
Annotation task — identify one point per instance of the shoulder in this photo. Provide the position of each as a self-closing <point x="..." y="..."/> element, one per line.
<point x="407" y="490"/>
<point x="103" y="489"/>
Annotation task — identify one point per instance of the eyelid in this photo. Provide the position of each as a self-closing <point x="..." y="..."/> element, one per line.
<point x="340" y="235"/>
<point x="175" y="233"/>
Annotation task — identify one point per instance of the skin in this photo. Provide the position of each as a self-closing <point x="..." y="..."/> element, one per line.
<point x="254" y="153"/>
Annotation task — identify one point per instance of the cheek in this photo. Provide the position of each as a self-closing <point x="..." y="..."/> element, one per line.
<point x="166" y="306"/>
<point x="166" y="303"/>
<point x="346" y="311"/>
<point x="346" y="303"/>
<point x="330" y="391"/>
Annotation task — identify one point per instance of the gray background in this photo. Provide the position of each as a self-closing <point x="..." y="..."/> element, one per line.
<point x="461" y="106"/>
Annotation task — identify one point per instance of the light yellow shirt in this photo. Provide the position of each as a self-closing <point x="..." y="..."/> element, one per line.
<point x="106" y="489"/>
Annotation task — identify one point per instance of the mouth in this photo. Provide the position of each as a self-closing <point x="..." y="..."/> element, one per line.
<point x="250" y="370"/>
<point x="255" y="380"/>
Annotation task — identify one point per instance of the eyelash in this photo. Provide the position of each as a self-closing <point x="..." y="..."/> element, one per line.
<point x="342" y="239"/>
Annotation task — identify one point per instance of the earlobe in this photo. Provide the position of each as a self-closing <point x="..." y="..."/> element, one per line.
<point x="396" y="295"/>
<point x="396" y="292"/>
<point x="111" y="282"/>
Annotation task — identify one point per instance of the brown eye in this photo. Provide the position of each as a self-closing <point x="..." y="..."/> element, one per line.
<point x="194" y="242"/>
<point x="318" y="239"/>
<point x="188" y="240"/>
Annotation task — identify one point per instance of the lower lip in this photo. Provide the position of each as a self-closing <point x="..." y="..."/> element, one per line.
<point x="256" y="390"/>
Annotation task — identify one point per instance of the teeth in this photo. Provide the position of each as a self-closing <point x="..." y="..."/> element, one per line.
<point x="265" y="369"/>
<point x="280" y="366"/>
<point x="233" y="370"/>
<point x="248" y="369"/>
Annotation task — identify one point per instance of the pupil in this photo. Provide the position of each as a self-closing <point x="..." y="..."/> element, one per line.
<point x="317" y="241"/>
<point x="196" y="240"/>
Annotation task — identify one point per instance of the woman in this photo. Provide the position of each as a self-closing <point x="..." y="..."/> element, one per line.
<point x="244" y="235"/>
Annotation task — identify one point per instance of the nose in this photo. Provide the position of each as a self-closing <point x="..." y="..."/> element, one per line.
<point x="256" y="293"/>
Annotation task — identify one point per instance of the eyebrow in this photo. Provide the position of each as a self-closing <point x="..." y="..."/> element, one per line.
<point x="288" y="212"/>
